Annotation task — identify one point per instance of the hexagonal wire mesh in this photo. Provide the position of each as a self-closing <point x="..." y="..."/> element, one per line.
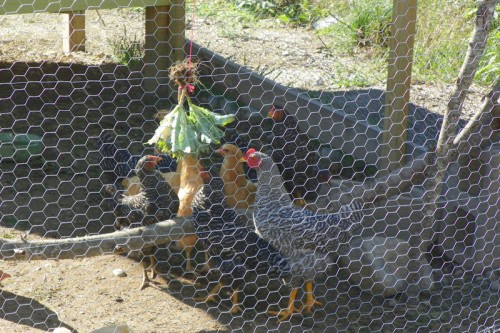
<point x="285" y="238"/>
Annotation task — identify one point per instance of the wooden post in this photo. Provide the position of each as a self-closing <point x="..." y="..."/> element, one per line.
<point x="74" y="31"/>
<point x="398" y="83"/>
<point x="164" y="45"/>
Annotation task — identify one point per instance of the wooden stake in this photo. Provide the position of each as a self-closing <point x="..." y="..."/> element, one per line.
<point x="74" y="31"/>
<point x="398" y="82"/>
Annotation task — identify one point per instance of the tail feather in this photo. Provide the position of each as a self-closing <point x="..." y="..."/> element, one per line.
<point x="112" y="158"/>
<point x="120" y="162"/>
<point x="111" y="197"/>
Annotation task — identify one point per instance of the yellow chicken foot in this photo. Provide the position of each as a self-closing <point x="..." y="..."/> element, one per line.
<point x="310" y="300"/>
<point x="234" y="299"/>
<point x="187" y="243"/>
<point x="189" y="266"/>
<point x="211" y="295"/>
<point x="286" y="314"/>
<point x="298" y="200"/>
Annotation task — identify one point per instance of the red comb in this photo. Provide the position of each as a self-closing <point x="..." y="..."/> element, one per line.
<point x="249" y="152"/>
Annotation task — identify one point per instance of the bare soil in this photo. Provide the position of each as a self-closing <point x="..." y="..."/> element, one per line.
<point x="58" y="196"/>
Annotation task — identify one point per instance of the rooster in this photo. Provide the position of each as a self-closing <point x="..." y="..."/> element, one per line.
<point x="304" y="238"/>
<point x="156" y="202"/>
<point x="296" y="159"/>
<point x="234" y="250"/>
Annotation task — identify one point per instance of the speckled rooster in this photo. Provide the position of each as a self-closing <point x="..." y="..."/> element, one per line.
<point x="304" y="238"/>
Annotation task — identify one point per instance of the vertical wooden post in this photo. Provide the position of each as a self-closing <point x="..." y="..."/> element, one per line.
<point x="164" y="45"/>
<point x="398" y="83"/>
<point x="74" y="31"/>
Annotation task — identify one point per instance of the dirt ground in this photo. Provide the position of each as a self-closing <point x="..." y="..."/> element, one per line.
<point x="58" y="195"/>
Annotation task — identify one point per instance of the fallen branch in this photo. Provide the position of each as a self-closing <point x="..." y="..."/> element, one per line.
<point x="91" y="246"/>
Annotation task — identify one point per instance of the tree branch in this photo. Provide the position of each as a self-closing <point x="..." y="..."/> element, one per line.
<point x="376" y="192"/>
<point x="91" y="246"/>
<point x="446" y="151"/>
<point x="490" y="100"/>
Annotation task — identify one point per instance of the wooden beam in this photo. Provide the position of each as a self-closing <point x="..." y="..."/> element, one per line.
<point x="398" y="83"/>
<point x="164" y="45"/>
<point x="50" y="6"/>
<point x="74" y="31"/>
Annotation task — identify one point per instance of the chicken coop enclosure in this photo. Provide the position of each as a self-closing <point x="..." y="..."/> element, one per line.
<point x="279" y="184"/>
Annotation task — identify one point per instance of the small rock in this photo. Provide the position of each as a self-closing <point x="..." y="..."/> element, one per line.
<point x="119" y="272"/>
<point x="119" y="300"/>
<point x="113" y="329"/>
<point x="324" y="23"/>
<point x="62" y="330"/>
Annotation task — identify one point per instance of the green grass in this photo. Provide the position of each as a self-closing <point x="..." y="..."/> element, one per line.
<point x="127" y="50"/>
<point x="490" y="64"/>
<point x="443" y="30"/>
<point x="296" y="12"/>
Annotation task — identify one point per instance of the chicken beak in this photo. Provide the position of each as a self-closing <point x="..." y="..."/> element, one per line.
<point x="243" y="159"/>
<point x="218" y="151"/>
<point x="158" y="159"/>
<point x="270" y="114"/>
<point x="4" y="276"/>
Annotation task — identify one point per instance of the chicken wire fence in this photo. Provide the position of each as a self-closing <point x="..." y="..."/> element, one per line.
<point x="280" y="237"/>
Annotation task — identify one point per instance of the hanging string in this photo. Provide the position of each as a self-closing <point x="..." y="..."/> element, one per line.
<point x="189" y="86"/>
<point x="190" y="57"/>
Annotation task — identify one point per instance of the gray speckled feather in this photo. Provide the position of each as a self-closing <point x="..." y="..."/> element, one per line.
<point x="303" y="237"/>
<point x="156" y="202"/>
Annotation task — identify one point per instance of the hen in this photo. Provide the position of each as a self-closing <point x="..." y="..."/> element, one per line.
<point x="156" y="202"/>
<point x="234" y="250"/>
<point x="120" y="163"/>
<point x="239" y="190"/>
<point x="304" y="238"/>
<point x="296" y="159"/>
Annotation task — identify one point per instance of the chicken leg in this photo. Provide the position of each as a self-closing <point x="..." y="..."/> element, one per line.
<point x="298" y="199"/>
<point x="211" y="295"/>
<point x="146" y="281"/>
<point x="290" y="310"/>
<point x="310" y="300"/>
<point x="234" y="299"/>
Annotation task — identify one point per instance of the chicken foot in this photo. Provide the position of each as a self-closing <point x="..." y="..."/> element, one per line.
<point x="146" y="281"/>
<point x="290" y="310"/>
<point x="310" y="299"/>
